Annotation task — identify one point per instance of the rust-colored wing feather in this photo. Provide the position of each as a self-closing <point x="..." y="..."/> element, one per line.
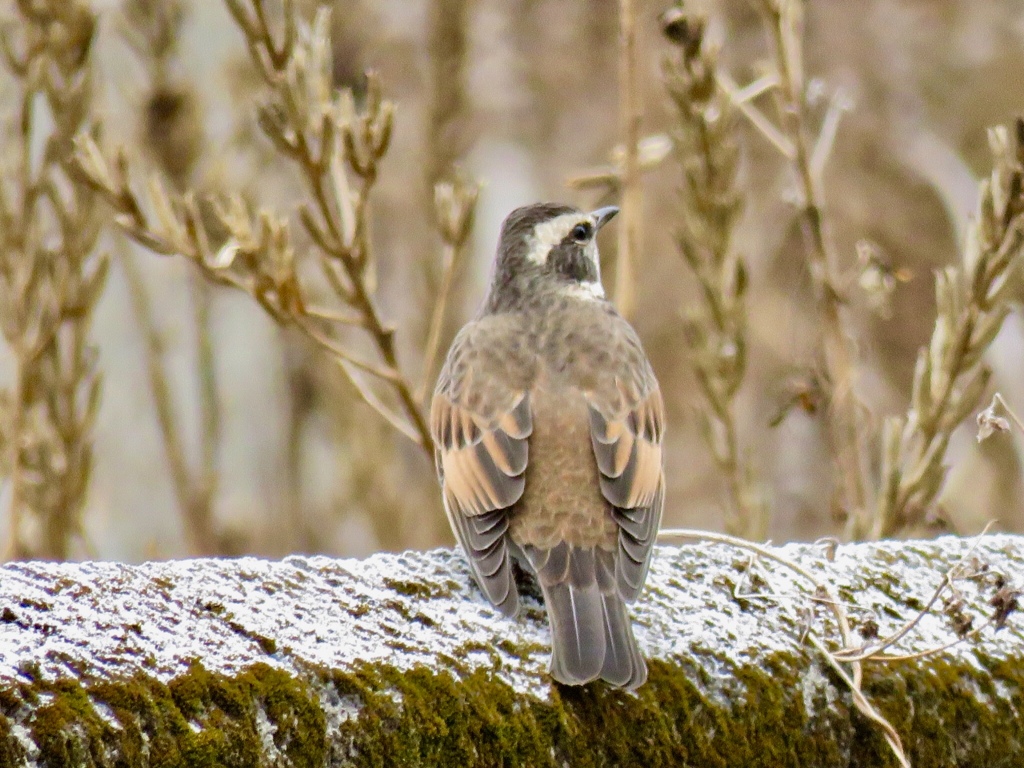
<point x="627" y="423"/>
<point x="480" y="420"/>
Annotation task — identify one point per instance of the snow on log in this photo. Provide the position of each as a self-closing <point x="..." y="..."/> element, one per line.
<point x="398" y="660"/>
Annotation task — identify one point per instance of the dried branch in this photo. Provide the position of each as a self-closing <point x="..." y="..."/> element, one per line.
<point x="847" y="660"/>
<point x="825" y="595"/>
<point x="446" y="127"/>
<point x="850" y="438"/>
<point x="950" y="377"/>
<point x="652" y="151"/>
<point x="194" y="498"/>
<point x="716" y="326"/>
<point x="628" y="254"/>
<point x="172" y="136"/>
<point x="337" y="150"/>
<point x="51" y="279"/>
<point x="321" y="131"/>
<point x="455" y="209"/>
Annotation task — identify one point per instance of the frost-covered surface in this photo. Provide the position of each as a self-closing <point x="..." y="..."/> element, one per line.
<point x="315" y="661"/>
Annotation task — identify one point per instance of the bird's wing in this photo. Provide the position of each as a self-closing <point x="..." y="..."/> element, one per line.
<point x="480" y="420"/>
<point x="627" y="422"/>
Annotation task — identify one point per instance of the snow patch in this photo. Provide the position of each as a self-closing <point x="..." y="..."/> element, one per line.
<point x="702" y="610"/>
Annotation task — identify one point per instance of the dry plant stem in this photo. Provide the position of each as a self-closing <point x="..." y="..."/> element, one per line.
<point x="451" y="257"/>
<point x="446" y="145"/>
<point x="855" y="654"/>
<point x="336" y="150"/>
<point x="209" y="401"/>
<point x="846" y="412"/>
<point x="854" y="677"/>
<point x="273" y="61"/>
<point x="950" y="377"/>
<point x="864" y="706"/>
<point x="194" y="498"/>
<point x="716" y="325"/>
<point x="446" y="140"/>
<point x="998" y="398"/>
<point x="454" y="212"/>
<point x="172" y="135"/>
<point x="741" y="100"/>
<point x="50" y="278"/>
<point x="965" y="568"/>
<point x="626" y="264"/>
<point x="179" y="232"/>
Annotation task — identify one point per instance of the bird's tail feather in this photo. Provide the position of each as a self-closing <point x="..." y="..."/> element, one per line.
<point x="623" y="664"/>
<point x="591" y="632"/>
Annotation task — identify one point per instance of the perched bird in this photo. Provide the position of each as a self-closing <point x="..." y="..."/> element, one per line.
<point x="548" y="423"/>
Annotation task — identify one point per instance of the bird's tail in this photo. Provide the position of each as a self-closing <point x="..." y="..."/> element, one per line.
<point x="591" y="632"/>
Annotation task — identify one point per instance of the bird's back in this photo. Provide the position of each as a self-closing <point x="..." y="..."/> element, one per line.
<point x="548" y="422"/>
<point x="572" y="347"/>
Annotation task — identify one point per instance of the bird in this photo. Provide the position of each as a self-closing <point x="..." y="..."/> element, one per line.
<point x="548" y="422"/>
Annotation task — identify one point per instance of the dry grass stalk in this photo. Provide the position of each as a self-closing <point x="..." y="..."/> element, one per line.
<point x="716" y="327"/>
<point x="626" y="263"/>
<point x="446" y="128"/>
<point x="194" y="495"/>
<point x="454" y="194"/>
<point x="849" y="433"/>
<point x="454" y="212"/>
<point x="848" y="660"/>
<point x="172" y="136"/>
<point x="50" y="277"/>
<point x="652" y="151"/>
<point x="950" y="377"/>
<point x="337" y="149"/>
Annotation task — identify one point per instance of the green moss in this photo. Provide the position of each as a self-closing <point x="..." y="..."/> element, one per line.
<point x="422" y="718"/>
<point x="949" y="713"/>
<point x="267" y="644"/>
<point x="199" y="719"/>
<point x="410" y="588"/>
<point x="398" y="607"/>
<point x="11" y="752"/>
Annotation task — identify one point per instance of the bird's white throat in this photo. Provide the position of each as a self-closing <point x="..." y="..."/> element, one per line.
<point x="586" y="291"/>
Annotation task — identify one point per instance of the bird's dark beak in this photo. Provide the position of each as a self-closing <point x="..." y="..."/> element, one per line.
<point x="603" y="215"/>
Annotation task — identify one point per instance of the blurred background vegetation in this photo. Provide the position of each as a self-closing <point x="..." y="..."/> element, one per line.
<point x="324" y="234"/>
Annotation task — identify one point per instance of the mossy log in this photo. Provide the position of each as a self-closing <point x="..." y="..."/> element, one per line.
<point x="397" y="660"/>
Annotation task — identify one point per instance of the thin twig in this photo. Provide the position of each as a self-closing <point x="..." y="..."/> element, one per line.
<point x="450" y="259"/>
<point x="626" y="263"/>
<point x="328" y="143"/>
<point x="51" y="277"/>
<point x="210" y="418"/>
<point x="850" y="438"/>
<point x="454" y="213"/>
<point x="194" y="499"/>
<point x="895" y="637"/>
<point x="950" y="377"/>
<point x="864" y="706"/>
<point x="710" y="204"/>
<point x="848" y="653"/>
<point x="757" y="118"/>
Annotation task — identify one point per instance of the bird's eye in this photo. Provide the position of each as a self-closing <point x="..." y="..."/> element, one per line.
<point x="582" y="232"/>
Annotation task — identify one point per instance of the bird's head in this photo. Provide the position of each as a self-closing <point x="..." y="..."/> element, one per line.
<point x="547" y="247"/>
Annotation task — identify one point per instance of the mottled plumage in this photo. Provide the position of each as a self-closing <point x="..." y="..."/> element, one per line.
<point x="548" y="421"/>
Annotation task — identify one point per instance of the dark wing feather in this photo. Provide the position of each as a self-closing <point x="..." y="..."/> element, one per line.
<point x="480" y="423"/>
<point x="627" y="423"/>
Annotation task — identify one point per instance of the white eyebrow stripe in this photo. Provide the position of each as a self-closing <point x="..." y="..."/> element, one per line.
<point x="548" y="234"/>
